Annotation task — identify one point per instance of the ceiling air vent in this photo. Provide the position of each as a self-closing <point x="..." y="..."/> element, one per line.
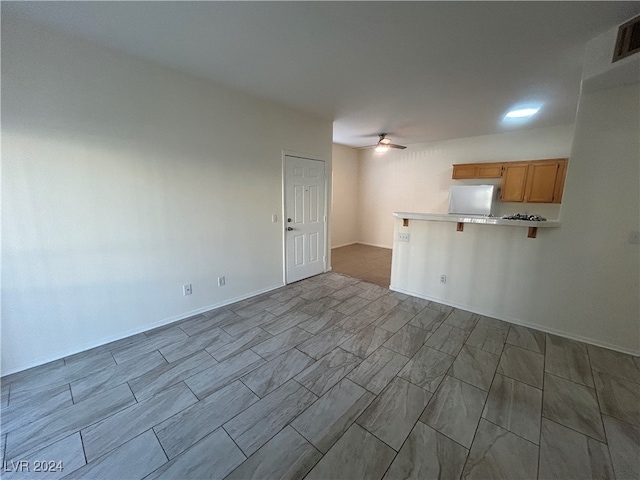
<point x="628" y="41"/>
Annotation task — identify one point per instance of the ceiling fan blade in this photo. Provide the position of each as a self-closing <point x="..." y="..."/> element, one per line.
<point x="385" y="142"/>
<point x="388" y="145"/>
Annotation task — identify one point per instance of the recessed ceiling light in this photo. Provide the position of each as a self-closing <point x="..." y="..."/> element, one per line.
<point x="522" y="113"/>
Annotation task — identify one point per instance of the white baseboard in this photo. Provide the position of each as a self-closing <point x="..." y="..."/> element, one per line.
<point x="135" y="331"/>
<point x="363" y="243"/>
<point x="388" y="247"/>
<point x="343" y="245"/>
<point x="517" y="321"/>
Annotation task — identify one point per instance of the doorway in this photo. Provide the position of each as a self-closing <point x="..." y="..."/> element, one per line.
<point x="305" y="219"/>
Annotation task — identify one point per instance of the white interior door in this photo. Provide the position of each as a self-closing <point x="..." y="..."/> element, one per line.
<point x="305" y="218"/>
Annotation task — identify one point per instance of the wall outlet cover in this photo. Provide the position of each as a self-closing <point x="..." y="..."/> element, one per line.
<point x="403" y="237"/>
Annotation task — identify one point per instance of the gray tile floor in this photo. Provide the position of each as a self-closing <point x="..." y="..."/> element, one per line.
<point x="331" y="377"/>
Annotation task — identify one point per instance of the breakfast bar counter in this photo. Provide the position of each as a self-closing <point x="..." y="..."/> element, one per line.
<point x="460" y="220"/>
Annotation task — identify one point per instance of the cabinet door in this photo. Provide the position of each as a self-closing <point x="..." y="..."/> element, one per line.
<point x="490" y="170"/>
<point x="464" y="171"/>
<point x="541" y="181"/>
<point x="514" y="180"/>
<point x="562" y="171"/>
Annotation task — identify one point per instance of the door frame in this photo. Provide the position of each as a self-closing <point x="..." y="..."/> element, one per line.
<point x="327" y="178"/>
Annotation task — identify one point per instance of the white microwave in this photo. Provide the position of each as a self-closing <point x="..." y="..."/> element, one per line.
<point x="472" y="199"/>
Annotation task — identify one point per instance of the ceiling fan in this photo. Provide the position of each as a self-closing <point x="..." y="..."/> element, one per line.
<point x="385" y="144"/>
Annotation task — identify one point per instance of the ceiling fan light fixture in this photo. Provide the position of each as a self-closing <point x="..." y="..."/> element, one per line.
<point x="385" y="144"/>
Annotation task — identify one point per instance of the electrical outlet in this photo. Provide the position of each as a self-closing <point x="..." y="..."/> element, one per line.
<point x="403" y="237"/>
<point x="221" y="281"/>
<point x="274" y="218"/>
<point x="443" y="279"/>
<point x="186" y="289"/>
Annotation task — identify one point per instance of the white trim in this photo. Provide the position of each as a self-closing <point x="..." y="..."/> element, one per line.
<point x="517" y="321"/>
<point x="343" y="245"/>
<point x="388" y="247"/>
<point x="283" y="216"/>
<point x="129" y="333"/>
<point x="362" y="243"/>
<point x="327" y="207"/>
<point x="308" y="156"/>
<point x="327" y="250"/>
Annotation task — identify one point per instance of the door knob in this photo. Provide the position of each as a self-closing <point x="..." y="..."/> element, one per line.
<point x="289" y="229"/>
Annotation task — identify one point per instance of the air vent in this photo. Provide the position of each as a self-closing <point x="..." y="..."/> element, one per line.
<point x="628" y="41"/>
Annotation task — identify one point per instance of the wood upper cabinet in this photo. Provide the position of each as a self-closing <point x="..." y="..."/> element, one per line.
<point x="514" y="181"/>
<point x="489" y="170"/>
<point x="560" y="176"/>
<point x="464" y="171"/>
<point x="477" y="170"/>
<point x="539" y="181"/>
<point x="542" y="181"/>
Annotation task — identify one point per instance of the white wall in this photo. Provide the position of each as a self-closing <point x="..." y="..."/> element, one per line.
<point x="344" y="212"/>
<point x="580" y="280"/>
<point x="598" y="71"/>
<point x="122" y="181"/>
<point x="417" y="179"/>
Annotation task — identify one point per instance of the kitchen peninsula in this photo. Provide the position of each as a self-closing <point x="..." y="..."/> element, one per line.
<point x="484" y="269"/>
<point x="460" y="220"/>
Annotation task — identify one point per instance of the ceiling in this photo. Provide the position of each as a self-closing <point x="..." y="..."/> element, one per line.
<point x="422" y="71"/>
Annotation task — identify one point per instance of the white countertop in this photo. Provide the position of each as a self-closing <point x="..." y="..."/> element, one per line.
<point x="480" y="219"/>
